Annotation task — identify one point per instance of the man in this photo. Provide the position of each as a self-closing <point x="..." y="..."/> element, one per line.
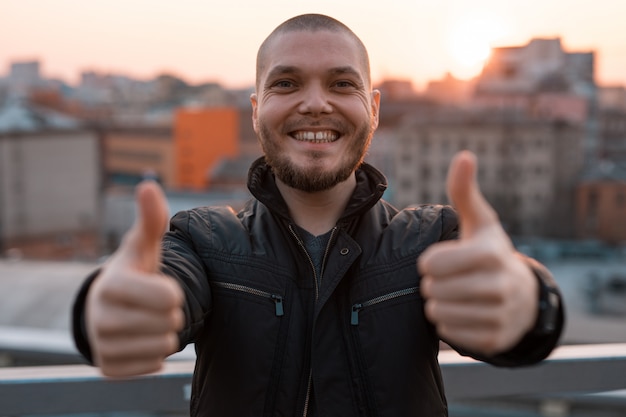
<point x="309" y="301"/>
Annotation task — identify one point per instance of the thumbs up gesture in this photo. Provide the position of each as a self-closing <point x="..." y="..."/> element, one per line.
<point x="132" y="311"/>
<point x="479" y="293"/>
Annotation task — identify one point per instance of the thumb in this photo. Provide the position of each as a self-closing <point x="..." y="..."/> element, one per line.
<point x="143" y="241"/>
<point x="463" y="191"/>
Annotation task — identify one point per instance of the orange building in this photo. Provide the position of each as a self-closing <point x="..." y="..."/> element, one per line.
<point x="202" y="137"/>
<point x="601" y="203"/>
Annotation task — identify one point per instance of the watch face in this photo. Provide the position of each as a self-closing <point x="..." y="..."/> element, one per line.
<point x="549" y="307"/>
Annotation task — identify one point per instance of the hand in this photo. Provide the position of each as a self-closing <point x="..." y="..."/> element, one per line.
<point x="133" y="312"/>
<point x="479" y="293"/>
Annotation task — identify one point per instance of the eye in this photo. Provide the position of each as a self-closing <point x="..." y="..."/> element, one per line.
<point x="344" y="84"/>
<point x="283" y="84"/>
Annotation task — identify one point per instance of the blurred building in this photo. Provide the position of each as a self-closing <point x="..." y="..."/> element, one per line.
<point x="183" y="157"/>
<point x="201" y="138"/>
<point x="50" y="182"/>
<point x="23" y="77"/>
<point x="528" y="169"/>
<point x="397" y="90"/>
<point x="612" y="125"/>
<point x="450" y="90"/>
<point x="612" y="97"/>
<point x="133" y="154"/>
<point x="540" y="65"/>
<point x="601" y="203"/>
<point x="542" y="80"/>
<point x="612" y="136"/>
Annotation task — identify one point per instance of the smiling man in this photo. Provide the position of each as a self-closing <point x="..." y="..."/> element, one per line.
<point x="318" y="298"/>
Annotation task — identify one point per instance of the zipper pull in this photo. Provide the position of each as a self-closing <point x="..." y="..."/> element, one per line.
<point x="278" y="300"/>
<point x="354" y="318"/>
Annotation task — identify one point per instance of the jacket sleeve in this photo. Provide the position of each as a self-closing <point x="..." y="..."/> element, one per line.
<point x="182" y="261"/>
<point x="179" y="261"/>
<point x="535" y="345"/>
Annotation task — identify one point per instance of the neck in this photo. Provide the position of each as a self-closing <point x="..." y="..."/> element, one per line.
<point x="318" y="212"/>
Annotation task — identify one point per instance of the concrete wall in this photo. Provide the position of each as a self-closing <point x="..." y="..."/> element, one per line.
<point x="49" y="183"/>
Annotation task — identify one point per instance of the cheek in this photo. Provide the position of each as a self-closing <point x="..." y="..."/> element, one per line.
<point x="267" y="114"/>
<point x="364" y="109"/>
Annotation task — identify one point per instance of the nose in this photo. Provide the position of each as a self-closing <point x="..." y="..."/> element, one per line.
<point x="315" y="101"/>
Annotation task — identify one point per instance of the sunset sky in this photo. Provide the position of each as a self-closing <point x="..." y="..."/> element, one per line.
<point x="216" y="40"/>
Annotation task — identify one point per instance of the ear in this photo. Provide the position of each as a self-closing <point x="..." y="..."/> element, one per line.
<point x="254" y="102"/>
<point x="375" y="99"/>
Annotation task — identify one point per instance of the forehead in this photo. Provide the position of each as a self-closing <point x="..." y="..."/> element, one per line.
<point x="310" y="50"/>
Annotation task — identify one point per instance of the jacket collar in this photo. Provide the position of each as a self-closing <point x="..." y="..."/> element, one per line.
<point x="370" y="186"/>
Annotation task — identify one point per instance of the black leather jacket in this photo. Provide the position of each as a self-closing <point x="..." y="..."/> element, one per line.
<point x="266" y="335"/>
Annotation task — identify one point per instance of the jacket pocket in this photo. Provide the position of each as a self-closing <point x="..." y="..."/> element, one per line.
<point x="358" y="307"/>
<point x="277" y="299"/>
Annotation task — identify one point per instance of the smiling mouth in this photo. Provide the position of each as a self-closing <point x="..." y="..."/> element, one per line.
<point x="325" y="136"/>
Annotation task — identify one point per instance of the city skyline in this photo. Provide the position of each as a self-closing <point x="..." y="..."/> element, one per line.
<point x="417" y="40"/>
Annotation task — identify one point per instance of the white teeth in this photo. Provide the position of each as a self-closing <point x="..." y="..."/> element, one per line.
<point x="316" y="137"/>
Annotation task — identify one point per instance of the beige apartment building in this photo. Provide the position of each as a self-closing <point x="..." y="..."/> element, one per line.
<point x="50" y="183"/>
<point x="527" y="168"/>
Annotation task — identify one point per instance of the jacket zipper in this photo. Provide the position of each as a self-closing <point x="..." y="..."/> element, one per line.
<point x="277" y="299"/>
<point x="356" y="308"/>
<point x="317" y="293"/>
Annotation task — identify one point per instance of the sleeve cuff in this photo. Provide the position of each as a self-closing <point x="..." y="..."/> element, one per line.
<point x="79" y="329"/>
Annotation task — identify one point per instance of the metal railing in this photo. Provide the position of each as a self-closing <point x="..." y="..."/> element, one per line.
<point x="55" y="390"/>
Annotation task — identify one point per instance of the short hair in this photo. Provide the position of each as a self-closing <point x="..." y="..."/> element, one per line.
<point x="311" y="22"/>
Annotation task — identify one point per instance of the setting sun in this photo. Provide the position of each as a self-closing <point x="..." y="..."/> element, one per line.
<point x="470" y="41"/>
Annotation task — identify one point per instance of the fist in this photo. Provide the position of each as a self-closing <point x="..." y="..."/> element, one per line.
<point x="133" y="313"/>
<point x="480" y="294"/>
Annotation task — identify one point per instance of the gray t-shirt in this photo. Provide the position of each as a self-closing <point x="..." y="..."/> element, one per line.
<point x="316" y="247"/>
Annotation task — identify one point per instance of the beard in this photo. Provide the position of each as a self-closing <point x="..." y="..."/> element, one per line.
<point x="314" y="178"/>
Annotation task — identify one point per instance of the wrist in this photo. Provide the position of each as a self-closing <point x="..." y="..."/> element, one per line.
<point x="548" y="309"/>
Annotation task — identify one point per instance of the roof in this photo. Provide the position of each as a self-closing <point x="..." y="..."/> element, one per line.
<point x="19" y="116"/>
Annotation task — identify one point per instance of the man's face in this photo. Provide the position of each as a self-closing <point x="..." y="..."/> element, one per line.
<point x="314" y="111"/>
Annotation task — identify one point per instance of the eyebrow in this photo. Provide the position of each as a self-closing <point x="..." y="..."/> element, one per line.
<point x="290" y="69"/>
<point x="346" y="70"/>
<point x="282" y="70"/>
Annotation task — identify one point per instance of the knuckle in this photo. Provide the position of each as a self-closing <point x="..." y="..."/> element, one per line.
<point x="107" y="353"/>
<point x="111" y="290"/>
<point x="106" y="327"/>
<point x="500" y="290"/>
<point x="178" y="319"/>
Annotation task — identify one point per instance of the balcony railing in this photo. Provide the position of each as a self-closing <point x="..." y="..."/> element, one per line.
<point x="588" y="373"/>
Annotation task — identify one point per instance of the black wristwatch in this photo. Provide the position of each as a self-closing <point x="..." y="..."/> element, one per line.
<point x="549" y="304"/>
